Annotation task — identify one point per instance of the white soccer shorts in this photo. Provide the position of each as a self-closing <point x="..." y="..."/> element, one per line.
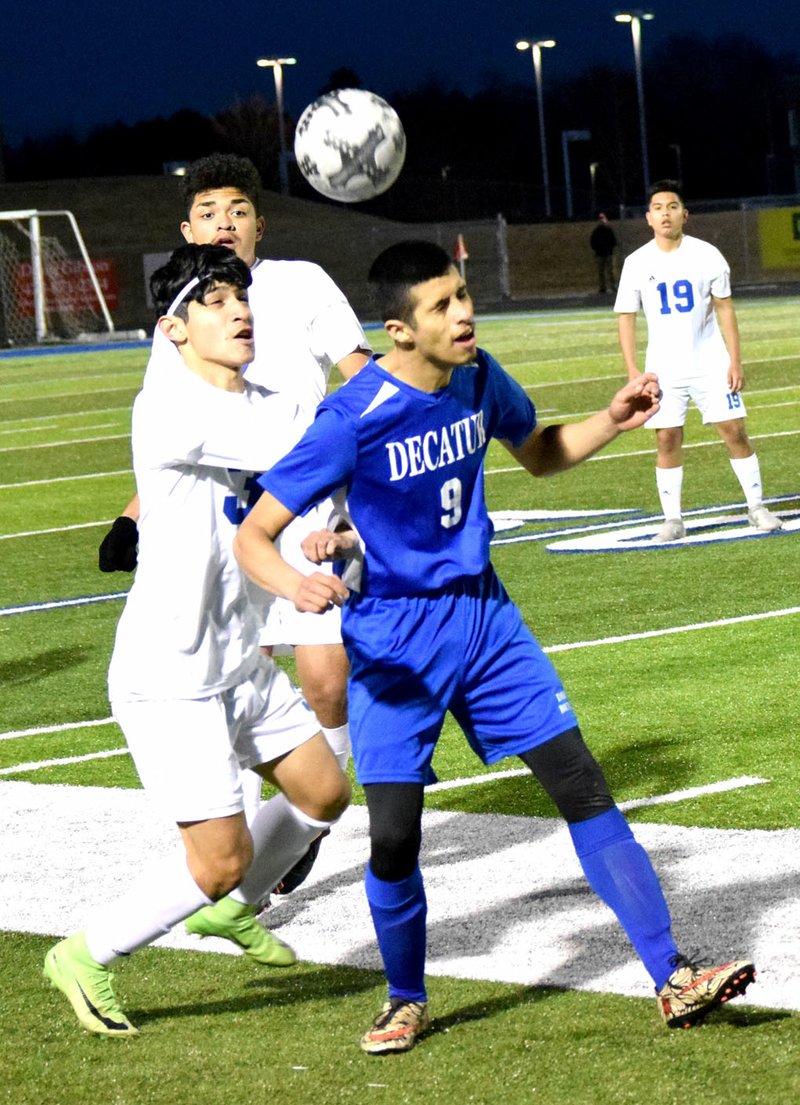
<point x="709" y="392"/>
<point x="189" y="753"/>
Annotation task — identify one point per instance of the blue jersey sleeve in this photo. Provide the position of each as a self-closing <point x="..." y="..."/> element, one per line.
<point x="513" y="415"/>
<point x="320" y="463"/>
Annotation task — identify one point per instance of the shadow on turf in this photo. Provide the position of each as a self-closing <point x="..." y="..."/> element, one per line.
<point x="720" y="922"/>
<point x="276" y="991"/>
<point x="655" y="766"/>
<point x="272" y="990"/>
<point x="30" y="669"/>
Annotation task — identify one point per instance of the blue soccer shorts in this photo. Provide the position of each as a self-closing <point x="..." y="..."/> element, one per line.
<point x="465" y="649"/>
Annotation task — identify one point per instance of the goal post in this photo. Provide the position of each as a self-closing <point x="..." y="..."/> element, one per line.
<point x="49" y="288"/>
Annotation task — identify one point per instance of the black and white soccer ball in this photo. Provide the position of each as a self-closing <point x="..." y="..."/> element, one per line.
<point x="350" y="145"/>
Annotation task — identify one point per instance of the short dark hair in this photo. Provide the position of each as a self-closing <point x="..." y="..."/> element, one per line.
<point x="396" y="270"/>
<point x="665" y="186"/>
<point x="221" y="170"/>
<point x="210" y="264"/>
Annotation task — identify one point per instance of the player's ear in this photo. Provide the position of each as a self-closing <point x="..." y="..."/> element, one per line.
<point x="186" y="231"/>
<point x="260" y="227"/>
<point x="173" y="328"/>
<point x="399" y="331"/>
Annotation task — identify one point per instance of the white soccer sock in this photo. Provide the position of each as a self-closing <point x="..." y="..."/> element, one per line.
<point x="164" y="894"/>
<point x="669" y="482"/>
<point x="339" y="740"/>
<point x="251" y="795"/>
<point x="748" y="473"/>
<point x="281" y="836"/>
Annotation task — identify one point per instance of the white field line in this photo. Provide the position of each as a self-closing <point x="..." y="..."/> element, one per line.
<point x="36" y="607"/>
<point x="67" y="479"/>
<point x="54" y="444"/>
<point x="650" y="452"/>
<point x="507" y="900"/>
<point x="620" y="375"/>
<point x="55" y="529"/>
<point x="66" y="760"/>
<point x="647" y="633"/>
<point x="643" y="520"/>
<point x="135" y="376"/>
<point x="33" y="429"/>
<point x="43" y="429"/>
<point x="44" y="729"/>
<point x="20" y="422"/>
<point x="684" y="795"/>
<point x="688" y="793"/>
<point x="621" y="639"/>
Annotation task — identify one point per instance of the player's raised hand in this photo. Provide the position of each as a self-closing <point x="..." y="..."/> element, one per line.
<point x="318" y="593"/>
<point x="635" y="402"/>
<point x="325" y="544"/>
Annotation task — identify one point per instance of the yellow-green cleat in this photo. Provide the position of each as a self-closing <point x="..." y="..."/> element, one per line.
<point x="237" y="922"/>
<point x="87" y="986"/>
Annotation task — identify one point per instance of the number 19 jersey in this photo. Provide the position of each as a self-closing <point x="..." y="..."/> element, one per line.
<point x="674" y="289"/>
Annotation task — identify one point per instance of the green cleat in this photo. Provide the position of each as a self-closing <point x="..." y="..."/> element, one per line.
<point x="87" y="986"/>
<point x="237" y="922"/>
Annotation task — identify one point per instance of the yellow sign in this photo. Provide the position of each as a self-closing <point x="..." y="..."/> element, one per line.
<point x="779" y="234"/>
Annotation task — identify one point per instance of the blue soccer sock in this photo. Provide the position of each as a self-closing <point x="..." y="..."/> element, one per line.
<point x="620" y="872"/>
<point x="399" y="913"/>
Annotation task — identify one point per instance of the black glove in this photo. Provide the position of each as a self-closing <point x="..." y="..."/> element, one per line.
<point x="117" y="551"/>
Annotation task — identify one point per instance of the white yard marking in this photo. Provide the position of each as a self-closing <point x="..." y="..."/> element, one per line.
<point x="39" y="764"/>
<point x="644" y="634"/>
<point x="685" y="795"/>
<point x="646" y="452"/>
<point x="67" y="479"/>
<point x="689" y="793"/>
<point x="706" y="530"/>
<point x="506" y="897"/>
<point x="43" y="730"/>
<point x="46" y="397"/>
<point x="54" y="444"/>
<point x="36" y="607"/>
<point x="54" y="529"/>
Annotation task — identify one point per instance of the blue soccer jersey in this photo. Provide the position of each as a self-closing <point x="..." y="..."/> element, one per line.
<point x="411" y="464"/>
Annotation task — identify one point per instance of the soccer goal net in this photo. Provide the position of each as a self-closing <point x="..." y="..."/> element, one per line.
<point x="49" y="289"/>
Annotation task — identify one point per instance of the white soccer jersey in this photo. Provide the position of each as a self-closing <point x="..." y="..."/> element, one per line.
<point x="190" y="625"/>
<point x="674" y="289"/>
<point x="303" y="327"/>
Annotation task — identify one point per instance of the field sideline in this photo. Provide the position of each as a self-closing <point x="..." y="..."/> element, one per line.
<point x="681" y="663"/>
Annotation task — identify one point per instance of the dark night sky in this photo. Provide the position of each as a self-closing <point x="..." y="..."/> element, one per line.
<point x="74" y="65"/>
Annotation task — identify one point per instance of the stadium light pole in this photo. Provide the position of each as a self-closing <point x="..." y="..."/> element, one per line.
<point x="536" y="52"/>
<point x="276" y="65"/>
<point x="636" y="18"/>
<point x="568" y="136"/>
<point x="675" y="146"/>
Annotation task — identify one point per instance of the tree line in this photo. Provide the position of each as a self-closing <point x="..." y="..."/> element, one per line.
<point x="722" y="114"/>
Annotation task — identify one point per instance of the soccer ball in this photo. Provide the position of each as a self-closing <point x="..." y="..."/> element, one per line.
<point x="350" y="145"/>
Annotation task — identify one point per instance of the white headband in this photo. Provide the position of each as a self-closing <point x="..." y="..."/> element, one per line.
<point x="164" y="356"/>
<point x="179" y="298"/>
